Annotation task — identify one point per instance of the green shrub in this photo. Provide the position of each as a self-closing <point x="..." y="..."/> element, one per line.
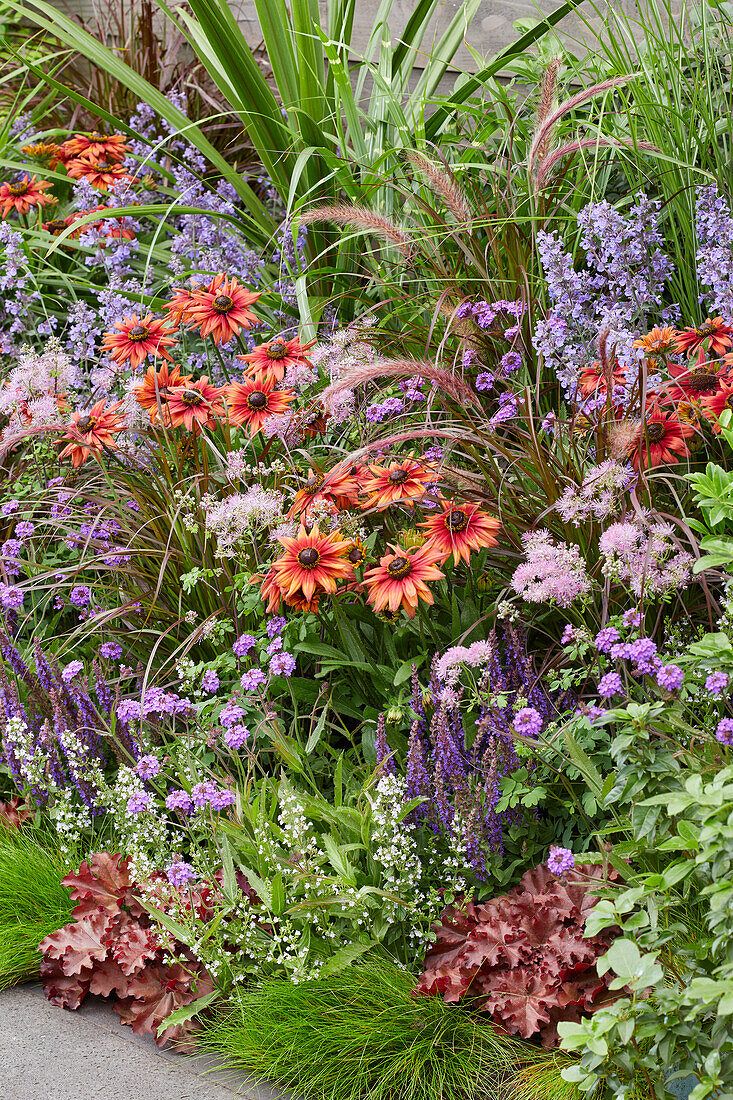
<point x="358" y="1033"/>
<point x="33" y="903"/>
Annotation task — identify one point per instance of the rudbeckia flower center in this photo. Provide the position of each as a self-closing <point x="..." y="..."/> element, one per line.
<point x="137" y="333"/>
<point x="729" y="401"/>
<point x="18" y="188"/>
<point x="278" y="349"/>
<point x="58" y="225"/>
<point x="702" y="379"/>
<point x="191" y="398"/>
<point x="85" y="424"/>
<point x="222" y="303"/>
<point x="398" y="476"/>
<point x="456" y="521"/>
<point x="309" y="558"/>
<point x="356" y="556"/>
<point x="102" y="166"/>
<point x="314" y="483"/>
<point x="257" y="400"/>
<point x="399" y="567"/>
<point x="705" y="330"/>
<point x="655" y="432"/>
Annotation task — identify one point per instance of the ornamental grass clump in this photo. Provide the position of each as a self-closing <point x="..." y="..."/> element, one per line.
<point x="33" y="902"/>
<point x="356" y="1033"/>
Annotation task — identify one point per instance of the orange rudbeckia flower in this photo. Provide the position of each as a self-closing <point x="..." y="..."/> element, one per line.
<point x="195" y="405"/>
<point x="97" y="429"/>
<point x="95" y="147"/>
<point x="100" y="174"/>
<point x="24" y="195"/>
<point x="338" y="487"/>
<point x="221" y="309"/>
<point x="138" y="338"/>
<point x="311" y="561"/>
<point x="459" y="529"/>
<point x="153" y="391"/>
<point x="714" y="337"/>
<point x="660" y="439"/>
<point x="401" y="482"/>
<point x="252" y="401"/>
<point x="273" y="358"/>
<point x="400" y="579"/>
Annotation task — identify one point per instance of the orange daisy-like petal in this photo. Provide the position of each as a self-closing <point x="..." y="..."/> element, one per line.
<point x="459" y="529"/>
<point x="195" y="405"/>
<point x="95" y="147"/>
<point x="714" y="335"/>
<point x="100" y="174"/>
<point x="660" y="341"/>
<point x="153" y="391"/>
<point x="660" y="439"/>
<point x="401" y="482"/>
<point x="93" y="430"/>
<point x="715" y="404"/>
<point x="251" y="402"/>
<point x="695" y="380"/>
<point x="24" y="195"/>
<point x="400" y="579"/>
<point x="221" y="309"/>
<point x="137" y="339"/>
<point x="338" y="487"/>
<point x="593" y="380"/>
<point x="311" y="561"/>
<point x="273" y="358"/>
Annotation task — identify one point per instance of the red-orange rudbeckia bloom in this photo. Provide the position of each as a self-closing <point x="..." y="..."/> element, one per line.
<point x="660" y="341"/>
<point x="155" y="387"/>
<point x="195" y="405"/>
<point x="716" y="403"/>
<point x="399" y="483"/>
<point x="180" y="306"/>
<point x="95" y="147"/>
<point x="459" y="529"/>
<point x="24" y="195"/>
<point x="97" y="429"/>
<point x="251" y="402"/>
<point x="713" y="337"/>
<point x="593" y="380"/>
<point x="221" y="309"/>
<point x="400" y="579"/>
<point x="138" y="338"/>
<point x="338" y="487"/>
<point x="99" y="174"/>
<point x="660" y="439"/>
<point x="273" y="358"/>
<point x="696" y="380"/>
<point x="311" y="561"/>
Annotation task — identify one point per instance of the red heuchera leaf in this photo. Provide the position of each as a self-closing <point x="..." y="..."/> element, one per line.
<point x="134" y="945"/>
<point x="77" y="946"/>
<point x="158" y="991"/>
<point x="62" y="991"/>
<point x="522" y="956"/>
<point x="14" y="813"/>
<point x="102" y="883"/>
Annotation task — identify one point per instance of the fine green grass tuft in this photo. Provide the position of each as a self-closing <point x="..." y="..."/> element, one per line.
<point x="359" y="1033"/>
<point x="33" y="903"/>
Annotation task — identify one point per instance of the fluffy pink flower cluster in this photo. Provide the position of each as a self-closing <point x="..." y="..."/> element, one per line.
<point x="599" y="495"/>
<point x="647" y="559"/>
<point x="551" y="572"/>
<point x="236" y="516"/>
<point x="30" y="396"/>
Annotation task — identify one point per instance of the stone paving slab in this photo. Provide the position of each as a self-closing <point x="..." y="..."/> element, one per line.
<point x="49" y="1053"/>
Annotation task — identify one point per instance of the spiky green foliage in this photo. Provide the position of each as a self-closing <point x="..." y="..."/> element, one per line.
<point x="357" y="1033"/>
<point x="33" y="903"/>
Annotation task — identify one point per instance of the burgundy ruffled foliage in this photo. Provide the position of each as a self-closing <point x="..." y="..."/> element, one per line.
<point x="522" y="957"/>
<point x="14" y="812"/>
<point x="111" y="948"/>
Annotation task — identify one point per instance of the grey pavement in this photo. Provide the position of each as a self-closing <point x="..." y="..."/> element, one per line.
<point x="49" y="1053"/>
